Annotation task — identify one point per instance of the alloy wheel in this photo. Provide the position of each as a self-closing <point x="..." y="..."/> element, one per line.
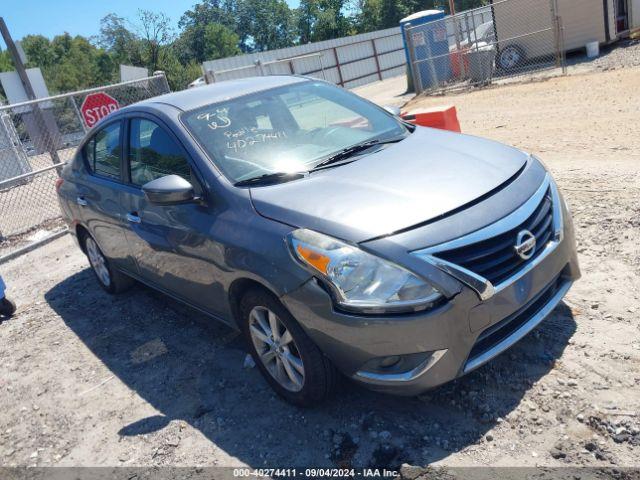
<point x="98" y="262"/>
<point x="510" y="58"/>
<point x="276" y="348"/>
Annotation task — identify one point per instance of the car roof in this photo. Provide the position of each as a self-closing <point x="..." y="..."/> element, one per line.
<point x="220" y="91"/>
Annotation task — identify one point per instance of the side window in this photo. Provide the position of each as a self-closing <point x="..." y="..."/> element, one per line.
<point x="154" y="154"/>
<point x="103" y="151"/>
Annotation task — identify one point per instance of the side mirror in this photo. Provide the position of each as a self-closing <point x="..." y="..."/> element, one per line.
<point x="392" y="110"/>
<point x="169" y="190"/>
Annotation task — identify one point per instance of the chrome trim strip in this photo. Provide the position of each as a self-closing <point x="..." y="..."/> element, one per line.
<point x="512" y="220"/>
<point x="390" y="378"/>
<point x="521" y="332"/>
<point x="483" y="287"/>
<point x="548" y="248"/>
<point x="558" y="220"/>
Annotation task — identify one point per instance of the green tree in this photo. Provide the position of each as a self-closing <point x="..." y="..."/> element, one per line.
<point x="265" y="24"/>
<point x="306" y="15"/>
<point x="74" y="64"/>
<point x="6" y="64"/>
<point x="155" y="34"/>
<point x="178" y="75"/>
<point x="368" y="15"/>
<point x="38" y="51"/>
<point x="122" y="44"/>
<point x="191" y="44"/>
<point x="323" y="20"/>
<point x="259" y="24"/>
<point x="392" y="11"/>
<point x="220" y="42"/>
<point x="331" y="21"/>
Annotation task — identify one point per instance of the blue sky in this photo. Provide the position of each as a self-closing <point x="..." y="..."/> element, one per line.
<point x="78" y="17"/>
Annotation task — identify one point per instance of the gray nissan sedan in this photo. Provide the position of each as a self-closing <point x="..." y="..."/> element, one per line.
<point x="335" y="236"/>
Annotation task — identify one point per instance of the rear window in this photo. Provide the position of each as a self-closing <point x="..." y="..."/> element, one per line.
<point x="103" y="152"/>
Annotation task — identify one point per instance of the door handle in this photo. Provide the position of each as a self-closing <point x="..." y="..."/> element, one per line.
<point x="81" y="201"/>
<point x="133" y="217"/>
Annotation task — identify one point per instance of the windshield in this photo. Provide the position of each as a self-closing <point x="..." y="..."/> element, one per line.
<point x="287" y="129"/>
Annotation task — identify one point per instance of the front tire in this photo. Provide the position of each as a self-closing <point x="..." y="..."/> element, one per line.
<point x="288" y="359"/>
<point x="110" y="279"/>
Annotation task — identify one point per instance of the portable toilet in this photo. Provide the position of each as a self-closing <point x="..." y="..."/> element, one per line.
<point x="429" y="38"/>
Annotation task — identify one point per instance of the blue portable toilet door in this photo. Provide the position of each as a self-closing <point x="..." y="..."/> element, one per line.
<point x="428" y="36"/>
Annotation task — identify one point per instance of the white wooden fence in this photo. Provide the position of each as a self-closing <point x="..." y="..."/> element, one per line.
<point x="347" y="61"/>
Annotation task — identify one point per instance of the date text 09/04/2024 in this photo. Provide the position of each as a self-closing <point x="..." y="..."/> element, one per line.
<point x="315" y="472"/>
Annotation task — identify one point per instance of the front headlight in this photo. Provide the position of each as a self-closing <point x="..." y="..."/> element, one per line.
<point x="361" y="281"/>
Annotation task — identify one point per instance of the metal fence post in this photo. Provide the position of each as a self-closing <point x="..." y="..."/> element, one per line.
<point x="417" y="84"/>
<point x="375" y="56"/>
<point x="563" y="51"/>
<point x="558" y="31"/>
<point x="75" y="107"/>
<point x="456" y="30"/>
<point x="335" y="55"/>
<point x="164" y="78"/>
<point x="324" y="77"/>
<point x="210" y="76"/>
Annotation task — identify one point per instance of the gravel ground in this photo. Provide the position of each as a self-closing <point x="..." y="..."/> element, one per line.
<point x="137" y="379"/>
<point x="622" y="54"/>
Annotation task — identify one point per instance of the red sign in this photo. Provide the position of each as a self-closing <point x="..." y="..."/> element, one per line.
<point x="96" y="106"/>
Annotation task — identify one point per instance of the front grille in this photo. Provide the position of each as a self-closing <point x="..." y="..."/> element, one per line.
<point x="504" y="328"/>
<point x="495" y="258"/>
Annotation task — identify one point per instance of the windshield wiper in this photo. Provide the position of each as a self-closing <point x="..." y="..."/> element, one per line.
<point x="269" y="178"/>
<point x="353" y="149"/>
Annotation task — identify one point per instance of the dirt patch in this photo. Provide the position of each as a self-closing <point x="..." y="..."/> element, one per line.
<point x="136" y="379"/>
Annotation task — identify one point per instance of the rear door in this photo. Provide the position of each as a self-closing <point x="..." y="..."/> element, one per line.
<point x="99" y="193"/>
<point x="169" y="242"/>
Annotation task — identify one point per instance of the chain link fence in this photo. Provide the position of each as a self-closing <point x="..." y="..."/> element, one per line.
<point x="36" y="139"/>
<point x="506" y="39"/>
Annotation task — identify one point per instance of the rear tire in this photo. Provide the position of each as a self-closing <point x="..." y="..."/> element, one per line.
<point x="288" y="359"/>
<point x="110" y="279"/>
<point x="7" y="307"/>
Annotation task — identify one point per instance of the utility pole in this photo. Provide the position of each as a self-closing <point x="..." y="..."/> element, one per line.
<point x="17" y="61"/>
<point x="28" y="88"/>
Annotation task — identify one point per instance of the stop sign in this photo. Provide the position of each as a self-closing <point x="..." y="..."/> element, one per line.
<point x="96" y="106"/>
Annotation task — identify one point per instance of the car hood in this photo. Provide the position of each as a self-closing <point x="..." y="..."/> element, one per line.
<point x="430" y="173"/>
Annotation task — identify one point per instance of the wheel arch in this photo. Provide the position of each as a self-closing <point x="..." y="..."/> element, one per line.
<point x="237" y="290"/>
<point x="81" y="234"/>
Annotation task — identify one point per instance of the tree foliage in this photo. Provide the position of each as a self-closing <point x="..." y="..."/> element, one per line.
<point x="211" y="29"/>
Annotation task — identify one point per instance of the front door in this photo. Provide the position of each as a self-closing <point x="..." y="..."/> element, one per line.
<point x="169" y="242"/>
<point x="622" y="16"/>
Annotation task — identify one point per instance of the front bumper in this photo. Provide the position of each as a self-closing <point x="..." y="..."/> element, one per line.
<point x="456" y="337"/>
